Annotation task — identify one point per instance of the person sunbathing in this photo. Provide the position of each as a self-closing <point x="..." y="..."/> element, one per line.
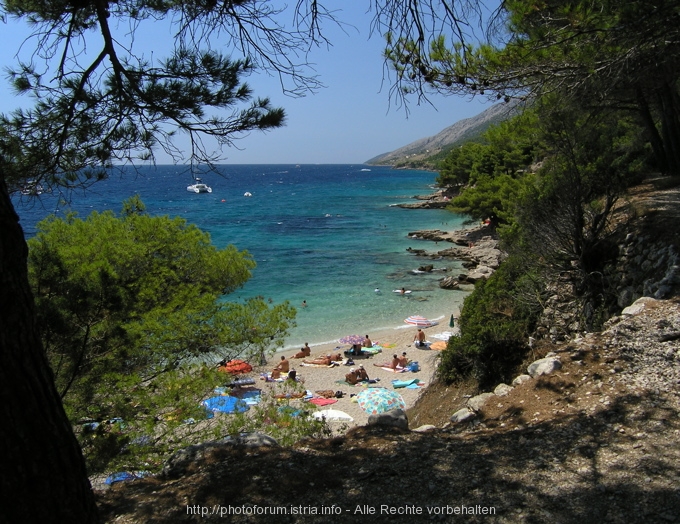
<point x="351" y="377"/>
<point x="361" y="373"/>
<point x="304" y="352"/>
<point x="403" y="361"/>
<point x="419" y="338"/>
<point x="320" y="361"/>
<point x="394" y="365"/>
<point x="284" y="365"/>
<point x="368" y="343"/>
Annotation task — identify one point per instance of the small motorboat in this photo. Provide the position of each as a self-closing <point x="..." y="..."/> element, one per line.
<point x="199" y="187"/>
<point x="247" y="194"/>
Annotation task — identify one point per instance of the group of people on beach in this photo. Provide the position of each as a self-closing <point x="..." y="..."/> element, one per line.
<point x="355" y="375"/>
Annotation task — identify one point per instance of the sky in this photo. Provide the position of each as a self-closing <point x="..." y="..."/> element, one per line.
<point x="349" y="121"/>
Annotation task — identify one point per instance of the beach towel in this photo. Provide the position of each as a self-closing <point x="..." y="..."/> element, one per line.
<point x="323" y="401"/>
<point x="404" y="383"/>
<point x="122" y="476"/>
<point x="398" y="370"/>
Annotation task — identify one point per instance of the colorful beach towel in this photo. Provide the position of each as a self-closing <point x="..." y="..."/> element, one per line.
<point x="404" y="383"/>
<point x="323" y="401"/>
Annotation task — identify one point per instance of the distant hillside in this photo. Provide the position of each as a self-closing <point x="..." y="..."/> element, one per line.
<point x="425" y="152"/>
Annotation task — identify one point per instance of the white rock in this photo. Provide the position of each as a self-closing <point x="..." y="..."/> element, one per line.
<point x="476" y="403"/>
<point x="502" y="390"/>
<point x="462" y="415"/>
<point x="520" y="380"/>
<point x="544" y="366"/>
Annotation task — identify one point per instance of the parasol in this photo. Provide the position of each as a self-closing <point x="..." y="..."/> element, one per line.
<point x="352" y="339"/>
<point x="417" y="320"/>
<point x="379" y="400"/>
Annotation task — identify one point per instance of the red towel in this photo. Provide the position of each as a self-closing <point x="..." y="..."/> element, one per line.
<point x="323" y="401"/>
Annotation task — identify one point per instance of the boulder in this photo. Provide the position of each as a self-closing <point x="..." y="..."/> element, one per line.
<point x="502" y="390"/>
<point x="462" y="415"/>
<point x="448" y="283"/>
<point x="636" y="307"/>
<point x="544" y="366"/>
<point x="476" y="403"/>
<point x="395" y="418"/>
<point x="479" y="273"/>
<point x="520" y="380"/>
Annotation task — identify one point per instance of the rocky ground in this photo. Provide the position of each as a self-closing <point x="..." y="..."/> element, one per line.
<point x="596" y="441"/>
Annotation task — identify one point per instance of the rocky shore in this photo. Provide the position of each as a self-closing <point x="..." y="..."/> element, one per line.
<point x="476" y="247"/>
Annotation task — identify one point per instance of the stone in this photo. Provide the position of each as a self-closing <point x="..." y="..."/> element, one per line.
<point x="449" y="283"/>
<point x="395" y="418"/>
<point x="462" y="415"/>
<point x="502" y="390"/>
<point x="518" y="381"/>
<point x="544" y="366"/>
<point x="477" y="402"/>
<point x="425" y="428"/>
<point x="636" y="307"/>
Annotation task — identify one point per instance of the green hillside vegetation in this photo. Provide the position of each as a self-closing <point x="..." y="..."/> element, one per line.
<point x="550" y="179"/>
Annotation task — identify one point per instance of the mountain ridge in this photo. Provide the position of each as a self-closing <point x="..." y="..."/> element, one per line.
<point x="421" y="152"/>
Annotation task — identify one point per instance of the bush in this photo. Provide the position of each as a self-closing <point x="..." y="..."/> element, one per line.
<point x="495" y="322"/>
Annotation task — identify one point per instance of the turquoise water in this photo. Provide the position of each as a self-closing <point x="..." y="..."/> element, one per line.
<point x="325" y="234"/>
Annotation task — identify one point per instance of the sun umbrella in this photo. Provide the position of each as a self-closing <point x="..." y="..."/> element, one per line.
<point x="379" y="400"/>
<point x="332" y="415"/>
<point x="452" y="322"/>
<point x="417" y="320"/>
<point x="352" y="339"/>
<point x="236" y="367"/>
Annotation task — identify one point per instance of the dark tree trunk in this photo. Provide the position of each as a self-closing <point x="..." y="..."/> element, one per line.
<point x="670" y="127"/>
<point x="42" y="470"/>
<point x="652" y="132"/>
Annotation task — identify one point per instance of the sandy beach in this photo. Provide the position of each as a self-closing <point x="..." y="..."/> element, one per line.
<point x="332" y="378"/>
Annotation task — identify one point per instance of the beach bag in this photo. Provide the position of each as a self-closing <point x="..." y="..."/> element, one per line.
<point x="413" y="366"/>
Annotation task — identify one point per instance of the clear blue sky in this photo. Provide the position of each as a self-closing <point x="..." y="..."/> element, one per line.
<point x="349" y="121"/>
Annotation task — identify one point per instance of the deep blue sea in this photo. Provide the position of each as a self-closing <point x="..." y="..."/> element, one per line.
<point x="326" y="234"/>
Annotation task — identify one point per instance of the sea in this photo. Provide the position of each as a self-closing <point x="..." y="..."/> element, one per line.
<point x="327" y="238"/>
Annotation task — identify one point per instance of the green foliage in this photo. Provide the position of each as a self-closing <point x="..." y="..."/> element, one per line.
<point x="490" y="197"/>
<point x="492" y="171"/>
<point x="129" y="307"/>
<point x="495" y="322"/>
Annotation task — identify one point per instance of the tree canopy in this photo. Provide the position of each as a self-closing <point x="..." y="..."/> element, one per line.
<point x="128" y="310"/>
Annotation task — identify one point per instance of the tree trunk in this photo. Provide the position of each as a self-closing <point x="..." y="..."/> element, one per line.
<point x="652" y="132"/>
<point x="42" y="470"/>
